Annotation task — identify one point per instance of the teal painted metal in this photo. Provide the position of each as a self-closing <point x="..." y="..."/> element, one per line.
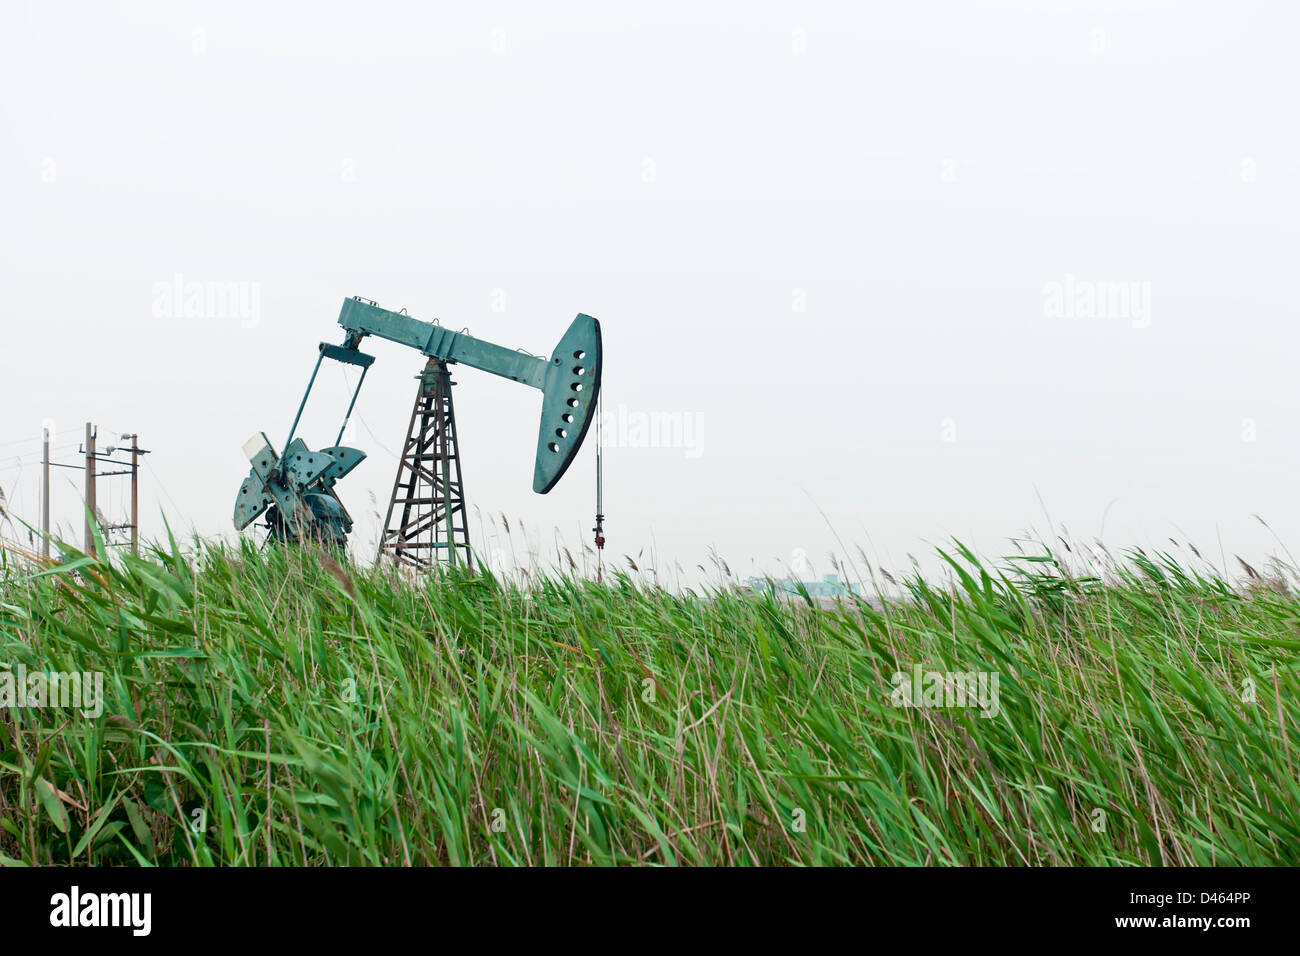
<point x="569" y="382"/>
<point x="296" y="488"/>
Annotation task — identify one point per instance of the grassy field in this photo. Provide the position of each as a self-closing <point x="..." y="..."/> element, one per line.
<point x="275" y="707"/>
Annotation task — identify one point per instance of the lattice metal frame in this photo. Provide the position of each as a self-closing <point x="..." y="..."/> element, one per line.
<point x="428" y="494"/>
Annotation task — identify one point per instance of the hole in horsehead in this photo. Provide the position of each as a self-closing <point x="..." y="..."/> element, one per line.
<point x="553" y="447"/>
<point x="576" y="386"/>
<point x="567" y="417"/>
<point x="572" y="403"/>
<point x="578" y="370"/>
<point x="562" y="433"/>
<point x="579" y="354"/>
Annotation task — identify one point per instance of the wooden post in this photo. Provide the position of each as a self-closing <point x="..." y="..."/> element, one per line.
<point x="45" y="496"/>
<point x="135" y="495"/>
<point x="90" y="489"/>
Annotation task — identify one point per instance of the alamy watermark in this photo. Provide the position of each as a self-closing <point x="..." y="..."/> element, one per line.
<point x="76" y="908"/>
<point x="46" y="689"/>
<point x="1087" y="299"/>
<point x="184" y="299"/>
<point x="932" y="689"/>
<point x="631" y="428"/>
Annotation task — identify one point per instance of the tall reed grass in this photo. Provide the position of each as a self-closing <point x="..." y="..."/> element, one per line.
<point x="278" y="707"/>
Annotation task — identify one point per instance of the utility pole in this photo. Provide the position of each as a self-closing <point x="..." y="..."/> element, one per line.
<point x="133" y="468"/>
<point x="136" y="452"/>
<point x="45" y="496"/>
<point x="135" y="494"/>
<point x="90" y="488"/>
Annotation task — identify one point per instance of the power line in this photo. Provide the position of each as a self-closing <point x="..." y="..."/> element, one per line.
<point x="19" y="441"/>
<point x="364" y="424"/>
<point x="162" y="486"/>
<point x="19" y="460"/>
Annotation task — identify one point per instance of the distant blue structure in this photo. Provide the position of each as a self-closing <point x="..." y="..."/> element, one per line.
<point x="830" y="586"/>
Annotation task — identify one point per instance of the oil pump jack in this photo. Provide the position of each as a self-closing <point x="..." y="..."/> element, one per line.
<point x="426" y="520"/>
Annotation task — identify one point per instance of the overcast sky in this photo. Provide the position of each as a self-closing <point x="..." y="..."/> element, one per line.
<point x="897" y="272"/>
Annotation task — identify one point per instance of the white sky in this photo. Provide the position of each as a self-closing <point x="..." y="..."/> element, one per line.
<point x="913" y="175"/>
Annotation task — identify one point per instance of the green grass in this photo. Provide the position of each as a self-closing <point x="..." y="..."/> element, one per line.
<point x="311" y="714"/>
